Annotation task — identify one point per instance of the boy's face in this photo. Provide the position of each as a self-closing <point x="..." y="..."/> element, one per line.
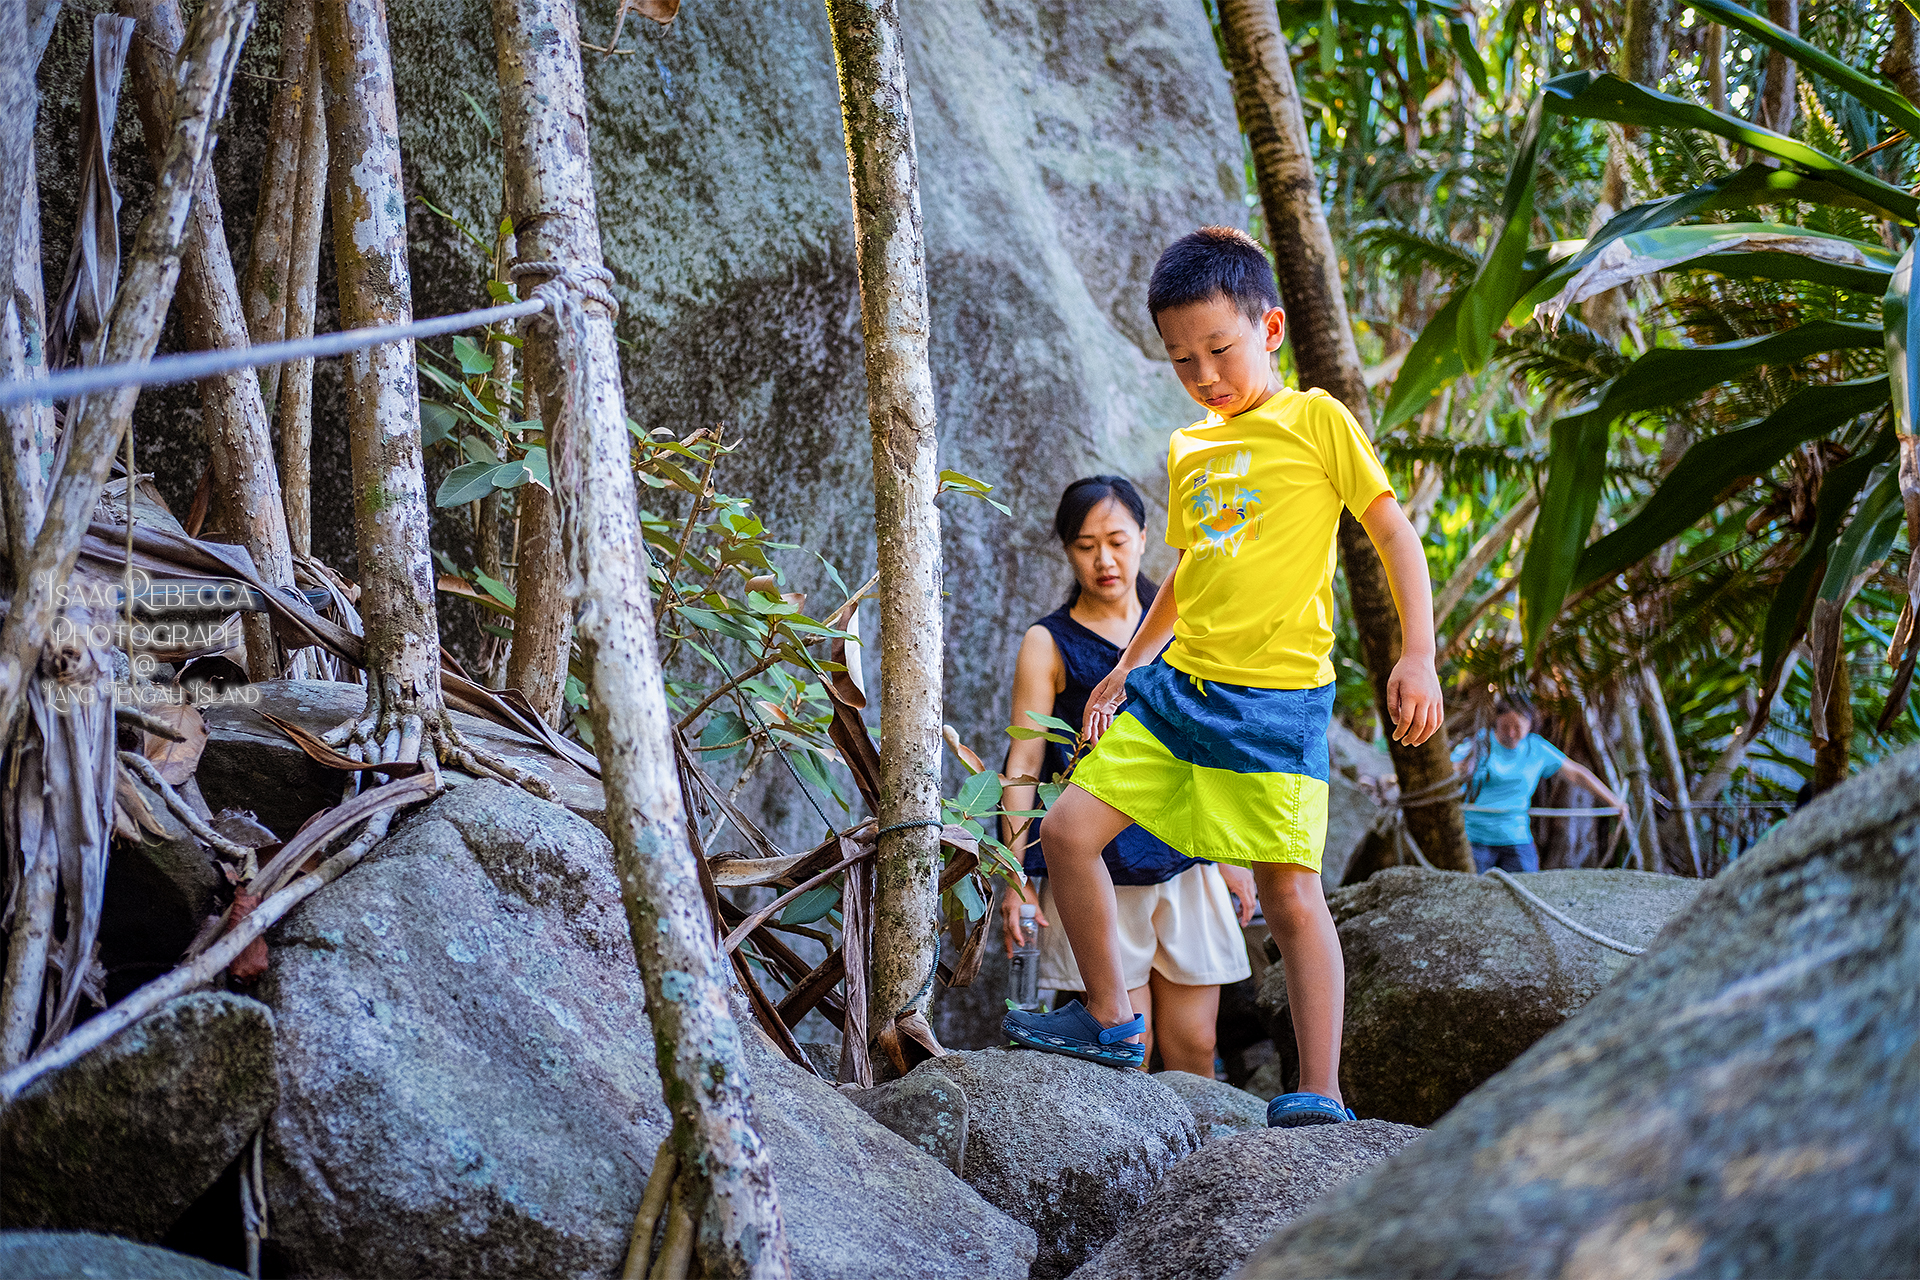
<point x="1224" y="359"/>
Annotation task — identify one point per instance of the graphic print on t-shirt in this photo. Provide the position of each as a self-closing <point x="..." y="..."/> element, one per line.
<point x="1224" y="510"/>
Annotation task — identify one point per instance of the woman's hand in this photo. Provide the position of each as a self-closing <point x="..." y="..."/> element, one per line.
<point x="1010" y="915"/>
<point x="1103" y="703"/>
<point x="1240" y="885"/>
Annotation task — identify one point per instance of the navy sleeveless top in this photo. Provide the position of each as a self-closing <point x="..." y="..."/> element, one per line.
<point x="1135" y="856"/>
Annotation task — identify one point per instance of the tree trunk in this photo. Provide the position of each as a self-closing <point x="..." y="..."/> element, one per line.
<point x="97" y="425"/>
<point x="267" y="286"/>
<point x="1902" y="63"/>
<point x="23" y="313"/>
<point x="883" y="170"/>
<point x="247" y="486"/>
<point x="1713" y="56"/>
<point x="1323" y="350"/>
<point x="1597" y="735"/>
<point x="1633" y="747"/>
<point x="542" y="613"/>
<point x="295" y="394"/>
<point x="573" y="360"/>
<point x="1830" y="758"/>
<point x="1682" y="818"/>
<point x="1777" y="94"/>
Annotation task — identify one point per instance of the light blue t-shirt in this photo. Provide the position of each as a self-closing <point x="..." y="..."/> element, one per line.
<point x="1505" y="779"/>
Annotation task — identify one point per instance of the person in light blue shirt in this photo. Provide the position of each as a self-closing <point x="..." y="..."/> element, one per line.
<point x="1502" y="769"/>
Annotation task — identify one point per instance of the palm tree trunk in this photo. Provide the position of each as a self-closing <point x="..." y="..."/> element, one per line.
<point x="883" y="170"/>
<point x="573" y="360"/>
<point x="247" y="484"/>
<point x="1323" y="350"/>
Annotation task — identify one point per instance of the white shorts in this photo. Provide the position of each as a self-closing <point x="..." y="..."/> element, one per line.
<point x="1184" y="929"/>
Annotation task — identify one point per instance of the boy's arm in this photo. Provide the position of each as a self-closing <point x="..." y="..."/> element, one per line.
<point x="1155" y="630"/>
<point x="1413" y="691"/>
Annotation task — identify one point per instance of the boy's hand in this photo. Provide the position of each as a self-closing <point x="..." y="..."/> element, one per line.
<point x="1413" y="700"/>
<point x="1010" y="902"/>
<point x="1103" y="702"/>
<point x="1240" y="885"/>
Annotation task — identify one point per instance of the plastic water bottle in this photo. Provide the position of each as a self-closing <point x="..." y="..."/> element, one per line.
<point x="1023" y="972"/>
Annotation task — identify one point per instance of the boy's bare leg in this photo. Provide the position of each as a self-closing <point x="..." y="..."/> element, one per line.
<point x="1184" y="1019"/>
<point x="1141" y="998"/>
<point x="1297" y="916"/>
<point x="1077" y="828"/>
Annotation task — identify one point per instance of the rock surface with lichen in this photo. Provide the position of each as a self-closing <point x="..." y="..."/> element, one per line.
<point x="468" y="1083"/>
<point x="1743" y="1101"/>
<point x="1450" y="977"/>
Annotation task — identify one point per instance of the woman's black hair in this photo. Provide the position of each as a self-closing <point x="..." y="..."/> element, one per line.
<point x="1517" y="703"/>
<point x="1081" y="497"/>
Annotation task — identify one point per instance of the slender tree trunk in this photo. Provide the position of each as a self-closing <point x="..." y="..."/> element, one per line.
<point x="1777" y="94"/>
<point x="266" y="289"/>
<point x="247" y="485"/>
<point x="1669" y="743"/>
<point x="542" y="614"/>
<point x="572" y="358"/>
<point x="1597" y="735"/>
<point x="28" y="427"/>
<point x="1323" y="350"/>
<point x="1902" y="63"/>
<point x="1830" y="758"/>
<point x="883" y="170"/>
<point x="97" y="424"/>
<point x="1713" y="58"/>
<point x="295" y="392"/>
<point x="1633" y="746"/>
<point x="406" y="715"/>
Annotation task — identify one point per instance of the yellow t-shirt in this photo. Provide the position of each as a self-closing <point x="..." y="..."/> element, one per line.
<point x="1255" y="503"/>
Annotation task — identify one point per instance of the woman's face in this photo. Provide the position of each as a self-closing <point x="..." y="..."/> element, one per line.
<point x="1106" y="555"/>
<point x="1510" y="727"/>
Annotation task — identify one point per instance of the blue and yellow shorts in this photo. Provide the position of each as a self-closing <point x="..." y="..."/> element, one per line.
<point x="1218" y="771"/>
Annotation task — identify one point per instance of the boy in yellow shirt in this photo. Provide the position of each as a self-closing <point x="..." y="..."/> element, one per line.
<point x="1221" y="749"/>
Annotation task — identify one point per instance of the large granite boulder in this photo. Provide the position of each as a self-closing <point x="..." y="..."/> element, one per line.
<point x="1220" y="1204"/>
<point x="1450" y="977"/>
<point x="1744" y="1101"/>
<point x="1071" y="1148"/>
<point x="468" y="1081"/>
<point x="1061" y="148"/>
<point x="65" y="1255"/>
<point x="1219" y="1110"/>
<point x="125" y="1139"/>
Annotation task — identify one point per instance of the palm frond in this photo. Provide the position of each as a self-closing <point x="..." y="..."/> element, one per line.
<point x="1405" y="248"/>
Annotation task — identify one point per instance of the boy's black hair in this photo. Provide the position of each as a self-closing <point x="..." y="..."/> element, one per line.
<point x="1078" y="502"/>
<point x="1213" y="262"/>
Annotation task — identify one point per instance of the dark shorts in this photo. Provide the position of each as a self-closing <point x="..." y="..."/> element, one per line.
<point x="1508" y="857"/>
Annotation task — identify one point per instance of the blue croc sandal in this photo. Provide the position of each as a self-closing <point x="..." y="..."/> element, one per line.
<point x="1291" y="1110"/>
<point x="1073" y="1032"/>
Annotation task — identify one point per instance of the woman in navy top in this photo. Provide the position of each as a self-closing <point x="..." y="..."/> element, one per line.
<point x="1179" y="927"/>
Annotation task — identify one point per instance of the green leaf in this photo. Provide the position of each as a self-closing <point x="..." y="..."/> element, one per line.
<point x="1486" y="302"/>
<point x="468" y="482"/>
<point x="495" y="588"/>
<point x="724" y="729"/>
<point x="1592" y="95"/>
<point x="969" y="895"/>
<point x="1703" y="475"/>
<point x="437" y="423"/>
<point x="1575" y="471"/>
<point x="1049" y="792"/>
<point x="1793" y="599"/>
<point x="979" y="793"/>
<point x="1767" y="250"/>
<point x="1868" y="538"/>
<point x="473" y="359"/>
<point x="478" y="450"/>
<point x="709" y="621"/>
<point x="1676" y="375"/>
<point x="811" y="905"/>
<point x="1870" y="92"/>
<point x="1051" y="722"/>
<point x="1027" y="735"/>
<point x="536" y="463"/>
<point x="1461" y="37"/>
<point x="1900" y="317"/>
<point x="954" y="480"/>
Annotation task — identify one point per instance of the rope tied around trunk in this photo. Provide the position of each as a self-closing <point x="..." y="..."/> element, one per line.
<point x="586" y="279"/>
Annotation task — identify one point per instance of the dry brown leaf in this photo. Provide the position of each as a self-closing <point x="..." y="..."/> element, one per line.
<point x="252" y="962"/>
<point x="961" y="749"/>
<point x="139" y="814"/>
<point x="176" y="761"/>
